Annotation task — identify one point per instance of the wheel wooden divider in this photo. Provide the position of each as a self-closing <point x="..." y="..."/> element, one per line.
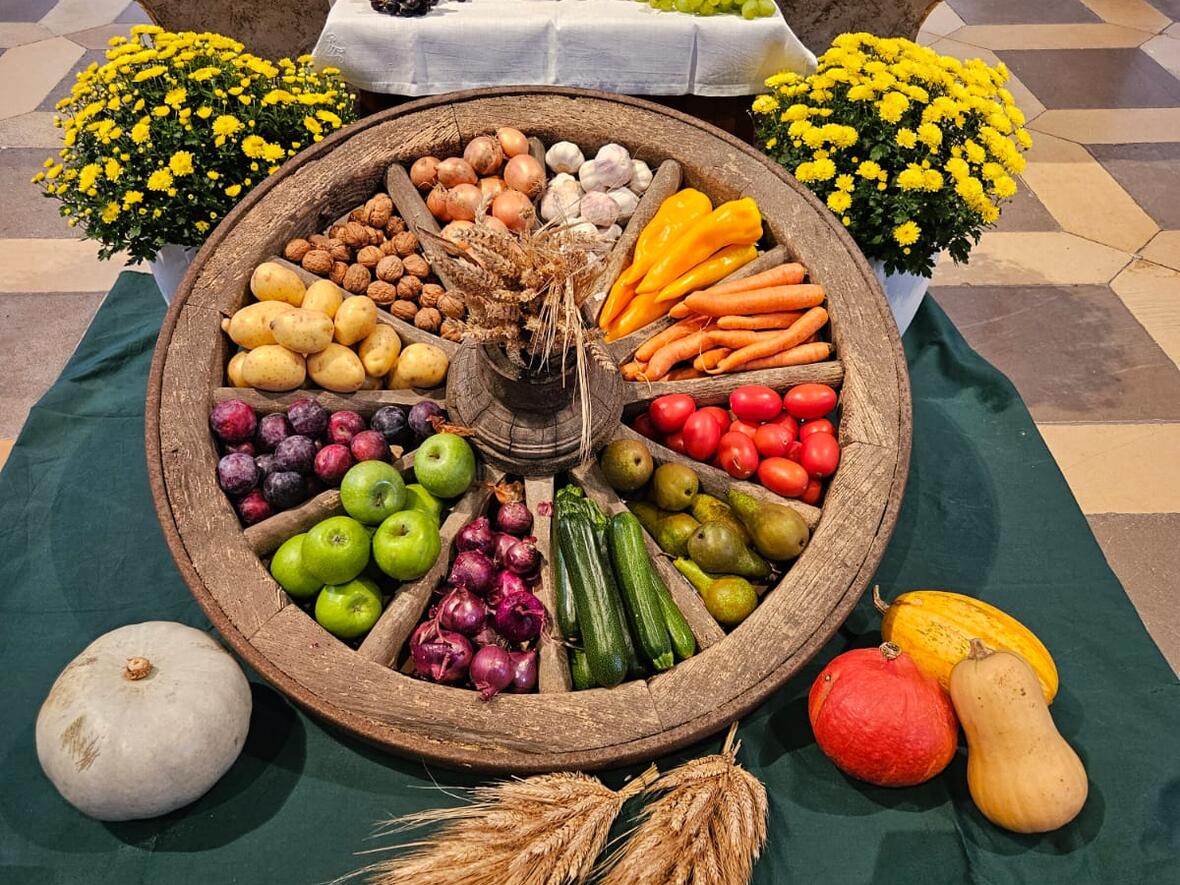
<point x="356" y="689"/>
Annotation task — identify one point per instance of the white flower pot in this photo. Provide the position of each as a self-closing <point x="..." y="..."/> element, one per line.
<point x="169" y="267"/>
<point x="903" y="291"/>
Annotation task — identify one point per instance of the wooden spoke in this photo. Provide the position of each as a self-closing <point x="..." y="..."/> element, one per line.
<point x="537" y="152"/>
<point x="553" y="669"/>
<point x="265" y="537"/>
<point x="366" y="402"/>
<point x="716" y="390"/>
<point x="412" y="206"/>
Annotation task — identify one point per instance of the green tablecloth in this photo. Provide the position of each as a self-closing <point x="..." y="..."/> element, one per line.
<point x="986" y="512"/>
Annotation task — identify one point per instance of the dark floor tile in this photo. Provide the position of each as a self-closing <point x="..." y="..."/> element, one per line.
<point x="1170" y="8"/>
<point x="1075" y="353"/>
<point x="66" y="83"/>
<point x="1022" y="12"/>
<point x="1025" y="212"/>
<point x="1093" y="78"/>
<point x="49" y="327"/>
<point x="27" y="212"/>
<point x="1148" y="172"/>
<point x="133" y="15"/>
<point x="1142" y="550"/>
<point x="24" y="10"/>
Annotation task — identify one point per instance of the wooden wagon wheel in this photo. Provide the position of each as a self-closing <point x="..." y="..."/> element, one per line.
<point x="358" y="689"/>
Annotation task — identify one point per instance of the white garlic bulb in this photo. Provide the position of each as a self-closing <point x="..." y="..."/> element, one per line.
<point x="562" y="197"/>
<point x="565" y="156"/>
<point x="615" y="152"/>
<point x="599" y="209"/>
<point x="626" y="200"/>
<point x="581" y="226"/>
<point x="641" y="176"/>
<point x="604" y="174"/>
<point x="612" y="233"/>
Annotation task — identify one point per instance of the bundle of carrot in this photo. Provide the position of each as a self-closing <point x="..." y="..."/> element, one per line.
<point x="765" y="321"/>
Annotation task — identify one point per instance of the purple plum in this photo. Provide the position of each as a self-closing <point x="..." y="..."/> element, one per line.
<point x="392" y="422"/>
<point x="296" y="453"/>
<point x="307" y="417"/>
<point x="284" y="489"/>
<point x="421" y="415"/>
<point x="332" y="462"/>
<point x="237" y="474"/>
<point x="369" y="445"/>
<point x="343" y="426"/>
<point x="233" y="421"/>
<point x="254" y="508"/>
<point x="272" y="430"/>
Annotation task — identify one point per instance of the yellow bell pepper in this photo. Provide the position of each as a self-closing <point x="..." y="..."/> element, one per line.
<point x="717" y="266"/>
<point x="737" y="222"/>
<point x="675" y="215"/>
<point x="642" y="310"/>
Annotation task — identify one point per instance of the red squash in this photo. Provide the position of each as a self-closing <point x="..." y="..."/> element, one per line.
<point x="880" y="719"/>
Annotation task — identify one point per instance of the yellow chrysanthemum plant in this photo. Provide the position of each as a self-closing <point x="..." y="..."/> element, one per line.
<point x="913" y="151"/>
<point x="162" y="140"/>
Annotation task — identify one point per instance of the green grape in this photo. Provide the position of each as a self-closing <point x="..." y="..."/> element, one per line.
<point x="766" y="7"/>
<point x="687" y="6"/>
<point x="707" y="10"/>
<point x="750" y="9"/>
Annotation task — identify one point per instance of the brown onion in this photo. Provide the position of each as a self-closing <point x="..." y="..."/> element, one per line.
<point x="424" y="173"/>
<point x="514" y="209"/>
<point x="436" y="202"/>
<point x="491" y="187"/>
<point x="491" y="222"/>
<point x="484" y="155"/>
<point x="463" y="201"/>
<point x="512" y="141"/>
<point x="448" y="232"/>
<point x="455" y="170"/>
<point x="523" y="173"/>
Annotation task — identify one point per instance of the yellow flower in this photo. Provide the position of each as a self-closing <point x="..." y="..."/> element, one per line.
<point x="176" y="97"/>
<point x="201" y="226"/>
<point x="933" y="180"/>
<point x="149" y="73"/>
<point x="805" y="171"/>
<point x="333" y="120"/>
<point x="112" y="169"/>
<point x="763" y="104"/>
<point x="1024" y="138"/>
<point x="861" y="92"/>
<point x="110" y="212"/>
<point x="204" y="112"/>
<point x="272" y="152"/>
<point x="131" y="198"/>
<point x="141" y="131"/>
<point x="1004" y="187"/>
<point x="181" y="163"/>
<point x="974" y="152"/>
<point x="226" y="124"/>
<point x="160" y="180"/>
<point x="162" y="110"/>
<point x="88" y="175"/>
<point x="907" y="234"/>
<point x="206" y="73"/>
<point x="312" y="125"/>
<point x="911" y="178"/>
<point x="813" y="137"/>
<point x="253" y="145"/>
<point x="957" y="168"/>
<point x="892" y="106"/>
<point x="845" y="183"/>
<point x="990" y="213"/>
<point x="971" y="190"/>
<point x="771" y="142"/>
<point x="906" y="138"/>
<point x="233" y="190"/>
<point x="868" y="169"/>
<point x="930" y="135"/>
<point x="839" y="201"/>
<point x="213" y="175"/>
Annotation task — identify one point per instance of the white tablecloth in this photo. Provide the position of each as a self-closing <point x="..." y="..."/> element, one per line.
<point x="614" y="45"/>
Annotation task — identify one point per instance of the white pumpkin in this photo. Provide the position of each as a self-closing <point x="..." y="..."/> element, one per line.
<point x="144" y="721"/>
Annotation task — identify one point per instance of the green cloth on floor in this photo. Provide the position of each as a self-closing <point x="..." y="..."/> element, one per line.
<point x="986" y="512"/>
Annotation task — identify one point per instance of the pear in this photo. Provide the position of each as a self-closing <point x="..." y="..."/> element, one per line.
<point x="648" y="514"/>
<point x="673" y="531"/>
<point x="706" y="508"/>
<point x="778" y="532"/>
<point x="716" y="548"/>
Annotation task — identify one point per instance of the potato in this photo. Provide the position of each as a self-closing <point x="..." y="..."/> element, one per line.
<point x="380" y="349"/>
<point x="234" y="370"/>
<point x="374" y="382"/>
<point x="336" y="368"/>
<point x="250" y="326"/>
<point x="273" y="367"/>
<point x="273" y="282"/>
<point x="420" y="365"/>
<point x="355" y="319"/>
<point x="324" y="296"/>
<point x="303" y="331"/>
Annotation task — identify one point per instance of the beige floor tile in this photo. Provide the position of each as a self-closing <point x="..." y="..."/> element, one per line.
<point x="1174" y="31"/>
<point x="1111" y="126"/>
<point x="1072" y="36"/>
<point x="1070" y="183"/>
<point x="1166" y="51"/>
<point x="77" y="15"/>
<point x="20" y="33"/>
<point x="1164" y="249"/>
<point x="1137" y="14"/>
<point x="29" y="72"/>
<point x="1119" y="468"/>
<point x="5" y="448"/>
<point x="1025" y="100"/>
<point x="1030" y="258"/>
<point x="97" y="38"/>
<point x="1152" y="294"/>
<point x="47" y="265"/>
<point x="33" y="130"/>
<point x="942" y="20"/>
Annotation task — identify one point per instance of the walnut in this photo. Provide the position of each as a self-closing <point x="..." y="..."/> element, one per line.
<point x="382" y="292"/>
<point x="296" y="249"/>
<point x="336" y="232"/>
<point x="360" y="214"/>
<point x="417" y="265"/>
<point x="339" y="251"/>
<point x="428" y="319"/>
<point x="339" y="269"/>
<point x="380" y="209"/>
<point x="394" y="226"/>
<point x="357" y="279"/>
<point x="452" y="307"/>
<point x="318" y="241"/>
<point x="409" y="288"/>
<point x="369" y="256"/>
<point x="376" y="236"/>
<point x="404" y="310"/>
<point x="451" y="329"/>
<point x="390" y="269"/>
<point x="387" y="248"/>
<point x="355" y="234"/>
<point x="431" y="293"/>
<point x="405" y="243"/>
<point x="317" y="261"/>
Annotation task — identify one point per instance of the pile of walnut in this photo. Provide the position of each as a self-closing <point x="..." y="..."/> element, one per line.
<point x="374" y="254"/>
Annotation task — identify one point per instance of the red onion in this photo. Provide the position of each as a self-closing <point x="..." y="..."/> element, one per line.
<point x="473" y="570"/>
<point x="491" y="671"/>
<point x="439" y="655"/>
<point x="514" y="518"/>
<point x="520" y="617"/>
<point x="524" y="671"/>
<point x="505" y="583"/>
<point x="489" y="636"/>
<point x="476" y="535"/>
<point x="462" y="611"/>
<point x="523" y="558"/>
<point x="503" y="542"/>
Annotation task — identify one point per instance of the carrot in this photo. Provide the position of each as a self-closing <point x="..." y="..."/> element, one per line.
<point x="710" y="358"/>
<point x="783" y="275"/>
<point x="684" y="373"/>
<point x="810" y="322"/>
<point x="734" y="338"/>
<point x="771" y="299"/>
<point x="760" y="320"/>
<point x="658" y="340"/>
<point x="679" y="311"/>
<point x="633" y="370"/>
<point x="801" y="355"/>
<point x="674" y="352"/>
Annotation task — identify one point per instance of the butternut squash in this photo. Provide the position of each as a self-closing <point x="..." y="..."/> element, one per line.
<point x="1021" y="773"/>
<point x="935" y="628"/>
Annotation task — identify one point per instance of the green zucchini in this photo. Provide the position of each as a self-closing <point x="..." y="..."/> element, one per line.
<point x="580" y="670"/>
<point x="636" y="669"/>
<point x="567" y="613"/>
<point x="632" y="568"/>
<point x="683" y="642"/>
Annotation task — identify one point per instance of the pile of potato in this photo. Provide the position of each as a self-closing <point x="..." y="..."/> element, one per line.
<point x="294" y="333"/>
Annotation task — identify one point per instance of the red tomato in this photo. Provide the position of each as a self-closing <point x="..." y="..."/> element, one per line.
<point x="739" y="457"/>
<point x="644" y="426"/>
<point x="772" y="440"/>
<point x="701" y="435"/>
<point x="719" y="415"/>
<point x="795" y="451"/>
<point x="806" y="401"/>
<point x="783" y="477"/>
<point x="813" y="493"/>
<point x="669" y="412"/>
<point x="819" y="425"/>
<point x="785" y="420"/>
<point x="821" y="455"/>
<point x="675" y="441"/>
<point x="743" y="427"/>
<point x="755" y="402"/>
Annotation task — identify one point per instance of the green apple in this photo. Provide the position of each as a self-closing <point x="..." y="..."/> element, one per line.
<point x="336" y="550"/>
<point x="286" y="567"/>
<point x="445" y="465"/>
<point x="417" y="498"/>
<point x="406" y="545"/>
<point x="371" y="491"/>
<point x="349" y="610"/>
